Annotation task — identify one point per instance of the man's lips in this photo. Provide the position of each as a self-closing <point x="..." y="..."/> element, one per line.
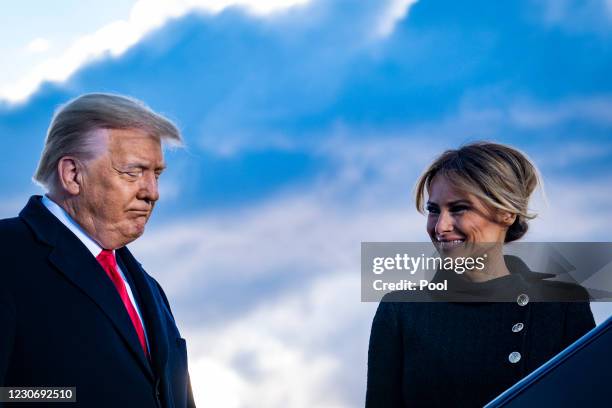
<point x="139" y="212"/>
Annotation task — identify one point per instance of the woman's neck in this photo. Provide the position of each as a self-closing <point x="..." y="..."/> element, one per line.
<point x="495" y="267"/>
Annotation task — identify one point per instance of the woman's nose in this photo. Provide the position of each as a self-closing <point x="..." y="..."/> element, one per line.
<point x="444" y="223"/>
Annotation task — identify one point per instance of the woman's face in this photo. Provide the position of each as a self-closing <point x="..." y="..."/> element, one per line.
<point x="455" y="217"/>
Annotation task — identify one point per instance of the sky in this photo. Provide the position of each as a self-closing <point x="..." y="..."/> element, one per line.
<point x="307" y="124"/>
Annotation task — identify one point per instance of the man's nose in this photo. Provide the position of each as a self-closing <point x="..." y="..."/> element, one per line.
<point x="149" y="189"/>
<point x="444" y="223"/>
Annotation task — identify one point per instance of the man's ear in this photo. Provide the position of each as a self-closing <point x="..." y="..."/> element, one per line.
<point x="69" y="174"/>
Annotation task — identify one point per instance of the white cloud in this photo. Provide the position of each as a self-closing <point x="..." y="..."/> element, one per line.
<point x="298" y="233"/>
<point x="114" y="38"/>
<point x="573" y="153"/>
<point x="214" y="382"/>
<point x="576" y="16"/>
<point x="533" y="115"/>
<point x="281" y="354"/>
<point x="582" y="207"/>
<point x="37" y="45"/>
<point x="117" y="36"/>
<point x="395" y="11"/>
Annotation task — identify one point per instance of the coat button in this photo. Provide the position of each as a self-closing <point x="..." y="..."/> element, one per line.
<point x="514" y="357"/>
<point x="522" y="299"/>
<point x="518" y="327"/>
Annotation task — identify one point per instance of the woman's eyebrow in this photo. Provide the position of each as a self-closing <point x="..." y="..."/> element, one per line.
<point x="457" y="202"/>
<point x="450" y="203"/>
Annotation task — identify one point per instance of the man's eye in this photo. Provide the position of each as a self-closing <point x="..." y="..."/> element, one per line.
<point x="133" y="173"/>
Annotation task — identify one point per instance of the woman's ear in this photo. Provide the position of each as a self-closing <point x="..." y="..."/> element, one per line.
<point x="507" y="218"/>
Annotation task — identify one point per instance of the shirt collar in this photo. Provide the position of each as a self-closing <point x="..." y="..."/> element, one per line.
<point x="72" y="225"/>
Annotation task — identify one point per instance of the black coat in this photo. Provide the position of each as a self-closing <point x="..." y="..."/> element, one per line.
<point x="62" y="322"/>
<point x="458" y="353"/>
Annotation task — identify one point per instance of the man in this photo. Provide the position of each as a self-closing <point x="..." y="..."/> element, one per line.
<point x="76" y="308"/>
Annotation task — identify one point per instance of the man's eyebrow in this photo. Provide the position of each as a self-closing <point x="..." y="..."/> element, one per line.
<point x="141" y="165"/>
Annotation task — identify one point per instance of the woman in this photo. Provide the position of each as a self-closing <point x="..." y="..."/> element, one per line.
<point x="464" y="354"/>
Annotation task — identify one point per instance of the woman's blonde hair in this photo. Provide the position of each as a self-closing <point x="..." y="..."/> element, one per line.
<point x="501" y="176"/>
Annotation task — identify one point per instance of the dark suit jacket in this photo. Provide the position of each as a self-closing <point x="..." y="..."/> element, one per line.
<point x="62" y="322"/>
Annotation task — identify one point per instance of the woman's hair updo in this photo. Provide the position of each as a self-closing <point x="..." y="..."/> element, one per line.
<point x="501" y="176"/>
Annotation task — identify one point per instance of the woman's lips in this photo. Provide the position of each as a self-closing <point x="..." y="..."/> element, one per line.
<point x="449" y="243"/>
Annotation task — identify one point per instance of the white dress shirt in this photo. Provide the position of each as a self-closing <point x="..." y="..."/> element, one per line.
<point x="93" y="247"/>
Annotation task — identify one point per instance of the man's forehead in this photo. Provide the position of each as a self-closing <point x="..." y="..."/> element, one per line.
<point x="131" y="135"/>
<point x="138" y="159"/>
<point x="135" y="147"/>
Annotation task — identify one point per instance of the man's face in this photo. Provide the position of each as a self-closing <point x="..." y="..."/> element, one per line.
<point x="119" y="187"/>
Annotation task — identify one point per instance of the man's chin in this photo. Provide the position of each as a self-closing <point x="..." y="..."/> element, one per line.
<point x="133" y="234"/>
<point x="138" y="231"/>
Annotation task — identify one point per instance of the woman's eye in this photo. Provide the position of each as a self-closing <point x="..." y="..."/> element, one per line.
<point x="432" y="210"/>
<point x="460" y="208"/>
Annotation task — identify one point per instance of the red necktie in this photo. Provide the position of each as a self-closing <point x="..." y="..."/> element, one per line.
<point x="109" y="264"/>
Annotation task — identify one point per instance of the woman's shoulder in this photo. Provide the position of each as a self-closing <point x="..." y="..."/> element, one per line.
<point x="559" y="291"/>
<point x="547" y="287"/>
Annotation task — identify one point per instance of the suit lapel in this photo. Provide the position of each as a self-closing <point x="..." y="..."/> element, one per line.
<point x="74" y="261"/>
<point x="151" y="309"/>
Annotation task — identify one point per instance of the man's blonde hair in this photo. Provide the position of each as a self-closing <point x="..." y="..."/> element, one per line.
<point x="74" y="125"/>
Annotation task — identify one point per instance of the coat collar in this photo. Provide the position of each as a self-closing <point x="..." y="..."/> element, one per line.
<point x="502" y="289"/>
<point x="76" y="263"/>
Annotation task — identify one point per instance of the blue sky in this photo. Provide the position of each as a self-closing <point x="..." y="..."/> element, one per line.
<point x="307" y="124"/>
